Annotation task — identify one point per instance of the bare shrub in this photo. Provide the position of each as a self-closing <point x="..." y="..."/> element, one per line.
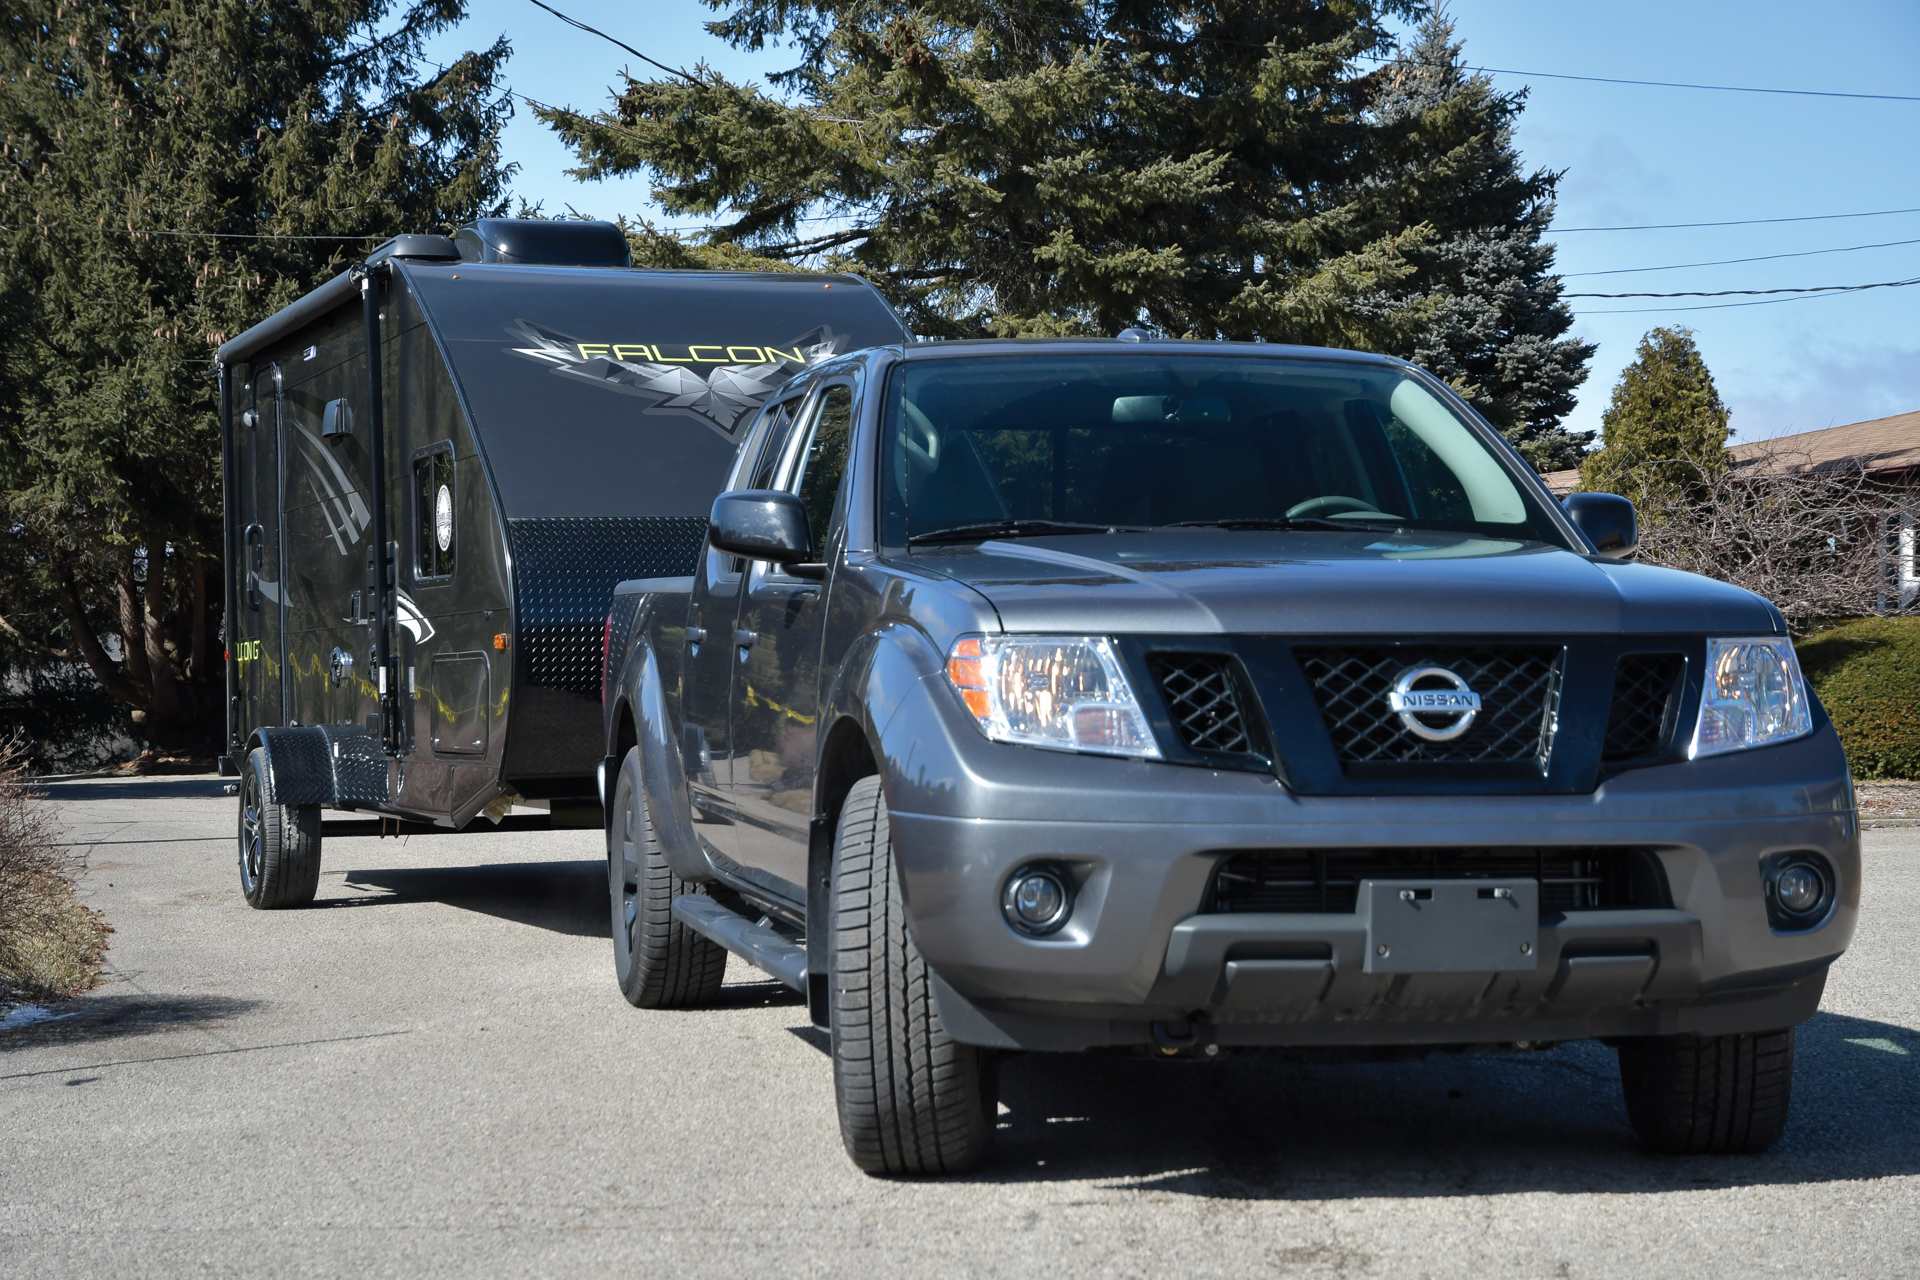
<point x="51" y="944"/>
<point x="1818" y="540"/>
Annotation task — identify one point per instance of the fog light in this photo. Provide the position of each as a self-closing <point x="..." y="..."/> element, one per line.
<point x="1800" y="890"/>
<point x="1037" y="900"/>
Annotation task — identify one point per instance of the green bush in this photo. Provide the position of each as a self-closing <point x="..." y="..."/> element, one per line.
<point x="1867" y="673"/>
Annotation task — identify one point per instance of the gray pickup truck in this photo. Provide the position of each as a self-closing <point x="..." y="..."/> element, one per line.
<point x="1193" y="698"/>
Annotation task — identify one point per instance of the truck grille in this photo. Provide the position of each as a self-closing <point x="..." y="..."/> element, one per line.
<point x="1203" y="698"/>
<point x="1572" y="878"/>
<point x="1645" y="705"/>
<point x="1519" y="688"/>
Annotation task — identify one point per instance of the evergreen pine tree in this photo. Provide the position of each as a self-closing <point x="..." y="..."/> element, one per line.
<point x="1497" y="327"/>
<point x="132" y="132"/>
<point x="1665" y="430"/>
<point x="1056" y="166"/>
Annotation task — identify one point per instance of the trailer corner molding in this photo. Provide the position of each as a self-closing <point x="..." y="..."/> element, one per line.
<point x="719" y="384"/>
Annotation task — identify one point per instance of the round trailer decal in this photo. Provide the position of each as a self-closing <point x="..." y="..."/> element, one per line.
<point x="443" y="517"/>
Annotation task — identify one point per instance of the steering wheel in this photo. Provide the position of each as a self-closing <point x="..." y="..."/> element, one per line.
<point x="1334" y="504"/>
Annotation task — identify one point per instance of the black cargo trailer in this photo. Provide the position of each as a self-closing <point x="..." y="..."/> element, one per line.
<point x="437" y="465"/>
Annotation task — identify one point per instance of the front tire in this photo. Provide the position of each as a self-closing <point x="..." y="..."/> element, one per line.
<point x="660" y="963"/>
<point x="279" y="843"/>
<point x="1708" y="1095"/>
<point x="911" y="1099"/>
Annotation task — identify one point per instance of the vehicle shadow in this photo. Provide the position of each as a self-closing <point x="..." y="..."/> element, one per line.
<point x="565" y="897"/>
<point x="1266" y="1127"/>
<point x="97" y="1017"/>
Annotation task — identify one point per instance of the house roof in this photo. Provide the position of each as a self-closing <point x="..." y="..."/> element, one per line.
<point x="1882" y="446"/>
<point x="1885" y="446"/>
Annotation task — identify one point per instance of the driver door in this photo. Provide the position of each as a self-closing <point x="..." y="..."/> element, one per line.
<point x="777" y="681"/>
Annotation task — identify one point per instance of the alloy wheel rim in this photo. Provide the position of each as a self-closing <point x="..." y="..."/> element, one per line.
<point x="252" y="854"/>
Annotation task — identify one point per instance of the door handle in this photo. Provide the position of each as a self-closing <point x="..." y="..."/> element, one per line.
<point x="696" y="634"/>
<point x="745" y="639"/>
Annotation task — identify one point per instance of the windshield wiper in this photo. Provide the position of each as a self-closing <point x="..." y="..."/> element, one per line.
<point x="1014" y="529"/>
<point x="1285" y="522"/>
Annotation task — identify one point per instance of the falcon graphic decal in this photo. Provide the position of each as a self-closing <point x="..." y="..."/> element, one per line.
<point x="719" y="386"/>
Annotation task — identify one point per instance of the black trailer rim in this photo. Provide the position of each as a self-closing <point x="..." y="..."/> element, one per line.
<point x="252" y="833"/>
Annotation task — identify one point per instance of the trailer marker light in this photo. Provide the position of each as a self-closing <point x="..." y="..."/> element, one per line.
<point x="500" y="641"/>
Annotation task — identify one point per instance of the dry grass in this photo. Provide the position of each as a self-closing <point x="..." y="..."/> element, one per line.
<point x="51" y="944"/>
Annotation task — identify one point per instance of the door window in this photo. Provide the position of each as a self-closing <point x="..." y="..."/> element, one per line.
<point x="823" y="461"/>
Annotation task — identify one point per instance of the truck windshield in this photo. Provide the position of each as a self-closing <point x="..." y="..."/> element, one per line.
<point x="1021" y="445"/>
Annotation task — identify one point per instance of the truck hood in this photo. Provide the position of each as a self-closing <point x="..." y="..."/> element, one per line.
<point x="1211" y="581"/>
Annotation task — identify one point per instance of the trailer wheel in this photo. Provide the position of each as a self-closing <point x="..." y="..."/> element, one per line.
<point x="279" y="843"/>
<point x="1708" y="1095"/>
<point x="661" y="964"/>
<point x="911" y="1099"/>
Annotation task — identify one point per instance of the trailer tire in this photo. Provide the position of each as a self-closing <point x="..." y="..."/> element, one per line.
<point x="1708" y="1095"/>
<point x="659" y="962"/>
<point x="279" y="843"/>
<point x="911" y="1099"/>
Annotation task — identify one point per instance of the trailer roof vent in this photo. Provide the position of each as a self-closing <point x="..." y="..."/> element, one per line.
<point x="424" y="248"/>
<point x="538" y="241"/>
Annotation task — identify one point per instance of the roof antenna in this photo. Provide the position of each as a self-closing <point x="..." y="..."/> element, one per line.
<point x="1134" y="335"/>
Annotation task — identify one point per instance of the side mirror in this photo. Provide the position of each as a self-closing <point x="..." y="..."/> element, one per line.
<point x="1608" y="521"/>
<point x="760" y="524"/>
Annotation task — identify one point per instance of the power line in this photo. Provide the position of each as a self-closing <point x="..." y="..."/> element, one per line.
<point x="1727" y="262"/>
<point x="1717" y="88"/>
<point x="1754" y="293"/>
<point x="1706" y="306"/>
<point x="1737" y="222"/>
<point x="575" y="22"/>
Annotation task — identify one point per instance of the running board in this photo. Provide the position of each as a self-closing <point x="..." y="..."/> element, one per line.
<point x="757" y="944"/>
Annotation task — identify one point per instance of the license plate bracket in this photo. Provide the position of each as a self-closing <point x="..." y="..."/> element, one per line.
<point x="1451" y="926"/>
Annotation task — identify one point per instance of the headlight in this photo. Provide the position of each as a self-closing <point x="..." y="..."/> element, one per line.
<point x="1753" y="696"/>
<point x="1064" y="692"/>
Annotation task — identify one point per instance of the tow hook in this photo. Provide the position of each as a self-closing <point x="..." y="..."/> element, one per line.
<point x="1188" y="1037"/>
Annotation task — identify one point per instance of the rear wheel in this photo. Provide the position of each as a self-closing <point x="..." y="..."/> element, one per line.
<point x="1701" y="1095"/>
<point x="661" y="964"/>
<point x="911" y="1099"/>
<point x="279" y="843"/>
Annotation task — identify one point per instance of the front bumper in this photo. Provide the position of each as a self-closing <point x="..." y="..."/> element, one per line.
<point x="1143" y="838"/>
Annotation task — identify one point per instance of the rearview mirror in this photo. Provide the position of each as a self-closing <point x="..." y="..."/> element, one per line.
<point x="760" y="524"/>
<point x="1608" y="521"/>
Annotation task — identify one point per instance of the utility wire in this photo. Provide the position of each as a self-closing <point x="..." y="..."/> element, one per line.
<point x="1737" y="222"/>
<point x="575" y="22"/>
<point x="1705" y="306"/>
<point x="1656" y="84"/>
<point x="1727" y="262"/>
<point x="1754" y="293"/>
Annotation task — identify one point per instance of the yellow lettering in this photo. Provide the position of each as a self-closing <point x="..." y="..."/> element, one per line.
<point x="693" y="353"/>
<point x="775" y="353"/>
<point x="758" y="356"/>
<point x="620" y="352"/>
<point x="660" y="354"/>
<point x="588" y="350"/>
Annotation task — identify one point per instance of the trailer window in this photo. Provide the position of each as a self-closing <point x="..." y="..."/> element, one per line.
<point x="433" y="513"/>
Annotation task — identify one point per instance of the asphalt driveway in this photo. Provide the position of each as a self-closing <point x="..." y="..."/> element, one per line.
<point x="432" y="1073"/>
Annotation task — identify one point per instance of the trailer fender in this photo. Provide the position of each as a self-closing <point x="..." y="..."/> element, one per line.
<point x="335" y="764"/>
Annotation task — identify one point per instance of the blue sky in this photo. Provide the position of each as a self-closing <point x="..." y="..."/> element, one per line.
<point x="1632" y="155"/>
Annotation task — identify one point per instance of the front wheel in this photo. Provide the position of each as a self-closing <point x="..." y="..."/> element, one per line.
<point x="1708" y="1095"/>
<point x="279" y="843"/>
<point x="911" y="1099"/>
<point x="660" y="963"/>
